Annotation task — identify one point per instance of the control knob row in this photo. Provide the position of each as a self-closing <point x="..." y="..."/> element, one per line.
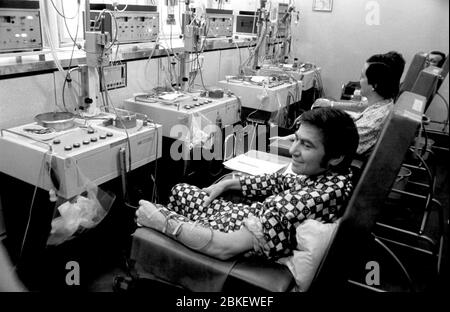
<point x="187" y="106"/>
<point x="85" y="142"/>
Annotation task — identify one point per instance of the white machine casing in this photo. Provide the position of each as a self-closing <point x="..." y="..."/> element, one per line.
<point x="95" y="160"/>
<point x="270" y="99"/>
<point x="204" y="109"/>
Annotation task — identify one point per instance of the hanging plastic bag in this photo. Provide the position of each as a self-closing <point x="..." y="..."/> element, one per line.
<point x="85" y="211"/>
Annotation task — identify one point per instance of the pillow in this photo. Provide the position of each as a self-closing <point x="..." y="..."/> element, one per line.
<point x="313" y="239"/>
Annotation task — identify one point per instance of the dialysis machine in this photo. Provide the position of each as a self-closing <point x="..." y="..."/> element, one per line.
<point x="64" y="160"/>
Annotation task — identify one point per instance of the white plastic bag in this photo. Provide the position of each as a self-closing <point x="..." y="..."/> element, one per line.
<point x="81" y="213"/>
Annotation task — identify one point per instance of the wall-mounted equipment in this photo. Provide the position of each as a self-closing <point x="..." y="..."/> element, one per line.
<point x="171" y="12"/>
<point x="114" y="76"/>
<point x="20" y="26"/>
<point x="219" y="23"/>
<point x="138" y="23"/>
<point x="246" y="23"/>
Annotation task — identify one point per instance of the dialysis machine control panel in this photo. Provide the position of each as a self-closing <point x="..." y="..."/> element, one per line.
<point x="191" y="113"/>
<point x="33" y="154"/>
<point x="139" y="23"/>
<point x="20" y="26"/>
<point x="219" y="23"/>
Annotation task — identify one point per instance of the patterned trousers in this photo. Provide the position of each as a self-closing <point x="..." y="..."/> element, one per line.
<point x="186" y="204"/>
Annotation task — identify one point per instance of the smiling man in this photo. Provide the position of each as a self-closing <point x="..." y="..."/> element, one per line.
<point x="320" y="187"/>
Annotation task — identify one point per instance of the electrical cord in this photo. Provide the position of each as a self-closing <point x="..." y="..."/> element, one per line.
<point x="63" y="14"/>
<point x="68" y="78"/>
<point x="41" y="171"/>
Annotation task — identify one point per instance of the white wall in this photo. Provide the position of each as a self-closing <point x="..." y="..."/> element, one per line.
<point x="340" y="41"/>
<point x="23" y="98"/>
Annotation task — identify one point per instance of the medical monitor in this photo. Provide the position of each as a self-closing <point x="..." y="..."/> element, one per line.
<point x="246" y="23"/>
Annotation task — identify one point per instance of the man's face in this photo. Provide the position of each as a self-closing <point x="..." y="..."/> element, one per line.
<point x="308" y="151"/>
<point x="434" y="59"/>
<point x="366" y="88"/>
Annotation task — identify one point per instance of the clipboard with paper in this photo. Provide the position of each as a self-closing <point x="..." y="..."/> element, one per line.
<point x="257" y="163"/>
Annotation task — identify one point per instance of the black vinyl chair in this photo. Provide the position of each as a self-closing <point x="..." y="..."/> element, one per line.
<point x="161" y="258"/>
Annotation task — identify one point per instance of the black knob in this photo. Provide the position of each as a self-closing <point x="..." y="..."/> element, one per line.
<point x="67" y="148"/>
<point x="76" y="145"/>
<point x="56" y="141"/>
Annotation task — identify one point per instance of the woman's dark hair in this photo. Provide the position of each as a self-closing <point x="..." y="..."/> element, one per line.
<point x="383" y="80"/>
<point x="384" y="73"/>
<point x="392" y="59"/>
<point x="339" y="134"/>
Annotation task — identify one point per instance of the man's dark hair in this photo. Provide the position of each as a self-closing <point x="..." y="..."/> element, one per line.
<point x="339" y="134"/>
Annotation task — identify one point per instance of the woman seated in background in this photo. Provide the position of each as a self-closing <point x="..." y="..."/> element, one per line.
<point x="380" y="83"/>
<point x="319" y="189"/>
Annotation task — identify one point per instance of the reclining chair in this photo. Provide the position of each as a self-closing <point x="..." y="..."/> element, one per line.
<point x="162" y="258"/>
<point x="422" y="165"/>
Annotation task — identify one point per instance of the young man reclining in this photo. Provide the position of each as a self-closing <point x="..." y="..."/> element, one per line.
<point x="324" y="146"/>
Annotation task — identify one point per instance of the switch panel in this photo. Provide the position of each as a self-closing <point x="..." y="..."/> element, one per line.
<point x="219" y="23"/>
<point x="139" y="23"/>
<point x="20" y="28"/>
<point x="246" y="23"/>
<point x="115" y="76"/>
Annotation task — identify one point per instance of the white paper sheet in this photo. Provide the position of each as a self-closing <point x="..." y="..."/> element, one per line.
<point x="252" y="165"/>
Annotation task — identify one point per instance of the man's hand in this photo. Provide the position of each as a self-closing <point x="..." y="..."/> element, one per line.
<point x="213" y="191"/>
